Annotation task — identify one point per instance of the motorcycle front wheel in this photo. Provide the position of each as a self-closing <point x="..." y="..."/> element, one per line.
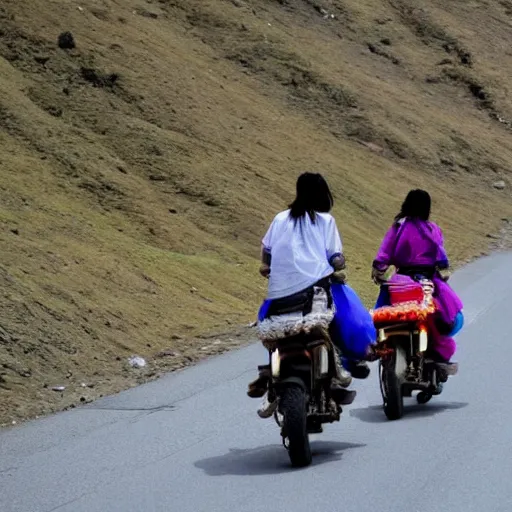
<point x="293" y="407"/>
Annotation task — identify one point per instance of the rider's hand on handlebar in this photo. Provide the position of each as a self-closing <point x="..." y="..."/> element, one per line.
<point x="379" y="276"/>
<point x="444" y="275"/>
<point x="265" y="270"/>
<point x="339" y="277"/>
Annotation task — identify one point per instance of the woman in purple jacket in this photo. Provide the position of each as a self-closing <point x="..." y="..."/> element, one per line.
<point x="414" y="246"/>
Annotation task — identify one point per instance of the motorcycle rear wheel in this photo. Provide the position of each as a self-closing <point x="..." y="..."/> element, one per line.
<point x="292" y="405"/>
<point x="391" y="384"/>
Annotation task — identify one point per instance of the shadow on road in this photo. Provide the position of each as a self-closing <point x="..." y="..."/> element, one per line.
<point x="375" y="414"/>
<point x="268" y="460"/>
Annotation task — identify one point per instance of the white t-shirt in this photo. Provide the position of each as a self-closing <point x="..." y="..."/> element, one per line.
<point x="301" y="252"/>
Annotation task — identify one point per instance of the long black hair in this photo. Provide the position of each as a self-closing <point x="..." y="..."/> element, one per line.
<point x="313" y="195"/>
<point x="416" y="205"/>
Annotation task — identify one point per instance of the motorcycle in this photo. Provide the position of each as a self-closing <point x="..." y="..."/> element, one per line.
<point x="402" y="348"/>
<point x="302" y="366"/>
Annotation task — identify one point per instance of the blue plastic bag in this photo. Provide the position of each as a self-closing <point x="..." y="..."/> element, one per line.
<point x="352" y="330"/>
<point x="458" y="324"/>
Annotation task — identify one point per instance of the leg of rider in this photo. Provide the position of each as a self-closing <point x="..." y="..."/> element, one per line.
<point x="339" y="373"/>
<point x="340" y="381"/>
<point x="441" y="346"/>
<point x="444" y="346"/>
<point x="258" y="387"/>
<point x="441" y="351"/>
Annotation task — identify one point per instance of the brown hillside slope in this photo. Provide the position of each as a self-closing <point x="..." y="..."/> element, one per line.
<point x="139" y="170"/>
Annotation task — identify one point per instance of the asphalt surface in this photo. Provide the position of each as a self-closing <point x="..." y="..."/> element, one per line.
<point x="192" y="442"/>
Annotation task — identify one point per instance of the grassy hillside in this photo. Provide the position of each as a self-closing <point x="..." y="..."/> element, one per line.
<point x="139" y="170"/>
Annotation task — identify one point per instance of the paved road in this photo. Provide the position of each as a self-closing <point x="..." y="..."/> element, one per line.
<point x="180" y="444"/>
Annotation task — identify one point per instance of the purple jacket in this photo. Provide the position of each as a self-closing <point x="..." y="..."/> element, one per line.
<point x="412" y="243"/>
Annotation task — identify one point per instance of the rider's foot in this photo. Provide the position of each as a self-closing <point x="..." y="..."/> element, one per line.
<point x="267" y="408"/>
<point x="343" y="378"/>
<point x="449" y="368"/>
<point x="446" y="369"/>
<point x="341" y="395"/>
<point x="259" y="387"/>
<point x="358" y="369"/>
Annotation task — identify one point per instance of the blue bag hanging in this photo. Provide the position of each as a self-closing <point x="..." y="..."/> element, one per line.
<point x="352" y="329"/>
<point x="458" y="324"/>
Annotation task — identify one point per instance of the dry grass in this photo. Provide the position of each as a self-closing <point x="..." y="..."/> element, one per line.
<point x="140" y="169"/>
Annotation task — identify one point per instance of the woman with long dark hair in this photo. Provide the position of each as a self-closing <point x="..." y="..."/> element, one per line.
<point x="414" y="245"/>
<point x="301" y="249"/>
<point x="303" y="242"/>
